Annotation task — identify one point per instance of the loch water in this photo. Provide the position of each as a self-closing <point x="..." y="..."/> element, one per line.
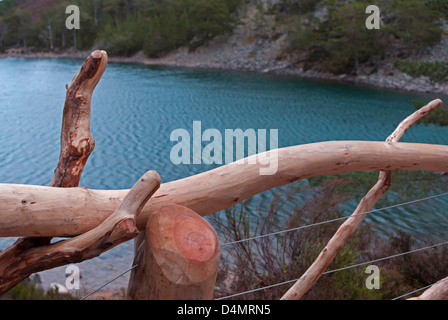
<point x="135" y="109"/>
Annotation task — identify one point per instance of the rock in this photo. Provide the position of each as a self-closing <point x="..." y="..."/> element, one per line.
<point x="58" y="287"/>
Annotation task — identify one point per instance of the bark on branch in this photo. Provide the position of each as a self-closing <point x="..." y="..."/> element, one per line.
<point x="350" y="225"/>
<point x="76" y="142"/>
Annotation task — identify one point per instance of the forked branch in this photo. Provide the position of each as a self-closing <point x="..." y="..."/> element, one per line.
<point x="76" y="146"/>
<point x="116" y="229"/>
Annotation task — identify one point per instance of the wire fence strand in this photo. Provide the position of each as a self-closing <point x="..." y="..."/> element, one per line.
<point x="304" y="227"/>
<point x="335" y="270"/>
<point x="110" y="281"/>
<point x="424" y="288"/>
<point x="334" y="220"/>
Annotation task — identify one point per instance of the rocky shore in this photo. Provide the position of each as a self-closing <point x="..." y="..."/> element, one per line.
<point x="251" y="49"/>
<point x="258" y="56"/>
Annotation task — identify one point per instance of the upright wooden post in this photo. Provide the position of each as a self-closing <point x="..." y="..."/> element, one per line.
<point x="177" y="259"/>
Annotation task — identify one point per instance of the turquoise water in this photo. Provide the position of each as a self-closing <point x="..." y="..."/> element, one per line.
<point x="135" y="109"/>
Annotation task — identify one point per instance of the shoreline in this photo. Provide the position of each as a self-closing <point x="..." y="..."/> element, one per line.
<point x="171" y="61"/>
<point x="387" y="78"/>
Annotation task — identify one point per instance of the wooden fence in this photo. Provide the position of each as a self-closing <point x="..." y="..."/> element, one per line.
<point x="177" y="251"/>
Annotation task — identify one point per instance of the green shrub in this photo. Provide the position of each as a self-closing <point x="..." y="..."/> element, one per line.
<point x="437" y="72"/>
<point x="286" y="256"/>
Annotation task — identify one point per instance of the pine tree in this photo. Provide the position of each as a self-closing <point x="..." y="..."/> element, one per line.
<point x="416" y="25"/>
<point x="210" y="18"/>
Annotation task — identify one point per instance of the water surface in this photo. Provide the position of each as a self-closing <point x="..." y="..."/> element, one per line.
<point x="135" y="109"/>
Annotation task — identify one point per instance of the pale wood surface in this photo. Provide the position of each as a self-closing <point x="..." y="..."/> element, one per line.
<point x="350" y="225"/>
<point x="76" y="146"/>
<point x="42" y="211"/>
<point x="178" y="259"/>
<point x="76" y="141"/>
<point x="116" y="229"/>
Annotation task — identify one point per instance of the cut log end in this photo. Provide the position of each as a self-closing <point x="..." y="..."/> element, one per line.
<point x="178" y="259"/>
<point x="187" y="238"/>
<point x="194" y="238"/>
<point x="97" y="54"/>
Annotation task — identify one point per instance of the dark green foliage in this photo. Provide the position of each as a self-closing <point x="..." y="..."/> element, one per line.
<point x="339" y="42"/>
<point x="294" y="7"/>
<point x="6" y="5"/>
<point x="435" y="71"/>
<point x="439" y="6"/>
<point x="415" y="24"/>
<point x="122" y="27"/>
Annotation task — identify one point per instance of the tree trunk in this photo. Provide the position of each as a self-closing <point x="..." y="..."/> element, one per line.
<point x="95" y="12"/>
<point x="63" y="37"/>
<point x="50" y="34"/>
<point x="25" y="46"/>
<point x="75" y="40"/>
<point x="178" y="259"/>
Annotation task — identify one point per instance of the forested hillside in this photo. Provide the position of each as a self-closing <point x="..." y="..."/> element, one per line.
<point x="327" y="35"/>
<point x="121" y="26"/>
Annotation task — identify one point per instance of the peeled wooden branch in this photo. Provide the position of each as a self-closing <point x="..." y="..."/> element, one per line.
<point x="116" y="229"/>
<point x="76" y="142"/>
<point x="438" y="291"/>
<point x="350" y="225"/>
<point x="178" y="260"/>
<point x="43" y="211"/>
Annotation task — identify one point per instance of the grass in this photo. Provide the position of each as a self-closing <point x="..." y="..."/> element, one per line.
<point x="406" y="184"/>
<point x="27" y="290"/>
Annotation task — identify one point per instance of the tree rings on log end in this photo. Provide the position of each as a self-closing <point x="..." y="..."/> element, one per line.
<point x="179" y="235"/>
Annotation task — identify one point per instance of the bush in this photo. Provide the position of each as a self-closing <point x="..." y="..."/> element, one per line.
<point x="286" y="256"/>
<point x="437" y="72"/>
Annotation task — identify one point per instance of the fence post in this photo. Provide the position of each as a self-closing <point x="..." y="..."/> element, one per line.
<point x="178" y="257"/>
